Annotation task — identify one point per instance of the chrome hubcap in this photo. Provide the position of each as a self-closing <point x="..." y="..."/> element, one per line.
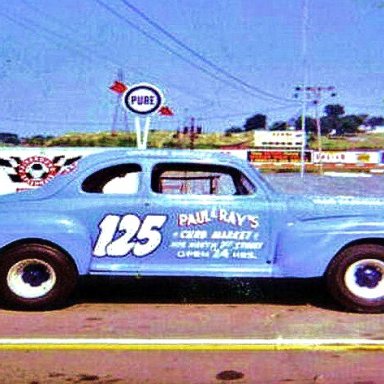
<point x="365" y="278"/>
<point x="31" y="278"/>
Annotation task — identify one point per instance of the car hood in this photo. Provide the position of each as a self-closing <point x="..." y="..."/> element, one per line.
<point x="321" y="207"/>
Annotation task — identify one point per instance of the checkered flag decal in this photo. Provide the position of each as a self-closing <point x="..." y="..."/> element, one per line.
<point x="64" y="165"/>
<point x="12" y="164"/>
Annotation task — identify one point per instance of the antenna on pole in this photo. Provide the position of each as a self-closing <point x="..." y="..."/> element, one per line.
<point x="119" y="109"/>
<point x="313" y="95"/>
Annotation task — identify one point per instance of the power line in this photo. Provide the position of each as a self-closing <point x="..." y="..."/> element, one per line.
<point x="50" y="17"/>
<point x="200" y="56"/>
<point x="53" y="122"/>
<point x="366" y="106"/>
<point x="83" y="50"/>
<point x="236" y="86"/>
<point x="160" y="43"/>
<point x="245" y="114"/>
<point x="95" y="123"/>
<point x="32" y="26"/>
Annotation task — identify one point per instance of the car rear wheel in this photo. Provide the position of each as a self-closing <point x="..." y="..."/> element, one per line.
<point x="36" y="276"/>
<point x="355" y="278"/>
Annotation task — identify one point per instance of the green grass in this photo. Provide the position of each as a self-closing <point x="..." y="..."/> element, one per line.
<point x="156" y="139"/>
<point x="358" y="142"/>
<point x="166" y="139"/>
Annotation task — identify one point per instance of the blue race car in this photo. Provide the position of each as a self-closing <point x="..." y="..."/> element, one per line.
<point x="183" y="213"/>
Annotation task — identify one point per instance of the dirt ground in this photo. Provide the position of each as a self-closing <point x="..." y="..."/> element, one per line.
<point x="192" y="308"/>
<point x="100" y="367"/>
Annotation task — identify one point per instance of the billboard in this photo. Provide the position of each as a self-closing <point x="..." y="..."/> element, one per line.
<point x="346" y="157"/>
<point x="265" y="156"/>
<point x="278" y="139"/>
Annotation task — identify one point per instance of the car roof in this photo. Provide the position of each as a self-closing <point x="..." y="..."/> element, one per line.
<point x="114" y="156"/>
<point x="154" y="154"/>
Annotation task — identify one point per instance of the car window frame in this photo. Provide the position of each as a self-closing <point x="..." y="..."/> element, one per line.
<point x="93" y="171"/>
<point x="230" y="167"/>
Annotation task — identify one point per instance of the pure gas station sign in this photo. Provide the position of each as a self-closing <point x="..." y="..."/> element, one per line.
<point x="143" y="99"/>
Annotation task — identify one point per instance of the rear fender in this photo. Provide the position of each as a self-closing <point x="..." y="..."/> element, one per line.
<point x="305" y="248"/>
<point x="65" y="232"/>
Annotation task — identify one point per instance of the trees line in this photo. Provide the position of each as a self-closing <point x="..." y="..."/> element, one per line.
<point x="334" y="122"/>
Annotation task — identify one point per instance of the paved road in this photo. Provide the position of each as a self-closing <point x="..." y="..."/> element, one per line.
<point x="53" y="367"/>
<point x="372" y="186"/>
<point x="193" y="308"/>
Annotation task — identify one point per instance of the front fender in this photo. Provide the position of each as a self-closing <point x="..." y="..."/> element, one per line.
<point x="66" y="232"/>
<point x="305" y="248"/>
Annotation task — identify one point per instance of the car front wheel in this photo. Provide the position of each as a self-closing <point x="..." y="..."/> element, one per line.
<point x="36" y="276"/>
<point x="355" y="278"/>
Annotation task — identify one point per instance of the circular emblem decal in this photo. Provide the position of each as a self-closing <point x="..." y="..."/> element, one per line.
<point x="143" y="99"/>
<point x="37" y="170"/>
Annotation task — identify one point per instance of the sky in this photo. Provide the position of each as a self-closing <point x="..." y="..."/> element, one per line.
<point x="219" y="61"/>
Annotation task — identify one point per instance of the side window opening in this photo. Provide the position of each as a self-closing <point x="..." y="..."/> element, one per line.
<point x="199" y="179"/>
<point x="117" y="179"/>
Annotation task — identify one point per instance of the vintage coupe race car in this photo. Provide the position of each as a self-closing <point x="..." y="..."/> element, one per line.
<point x="183" y="213"/>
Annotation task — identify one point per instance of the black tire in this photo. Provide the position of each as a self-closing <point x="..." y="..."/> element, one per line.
<point x="355" y="278"/>
<point x="35" y="277"/>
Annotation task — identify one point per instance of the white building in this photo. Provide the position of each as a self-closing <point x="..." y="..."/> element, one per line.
<point x="278" y="139"/>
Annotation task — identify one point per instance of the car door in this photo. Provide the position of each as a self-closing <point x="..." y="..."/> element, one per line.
<point x="216" y="222"/>
<point x="121" y="230"/>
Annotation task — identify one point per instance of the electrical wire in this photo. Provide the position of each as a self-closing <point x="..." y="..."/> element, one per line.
<point x="236" y="86"/>
<point x="95" y="123"/>
<point x="85" y="51"/>
<point x="200" y="56"/>
<point x="246" y="115"/>
<point x="81" y="50"/>
<point x="53" y="122"/>
<point x="33" y="27"/>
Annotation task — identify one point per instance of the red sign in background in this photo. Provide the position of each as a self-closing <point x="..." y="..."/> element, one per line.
<point x="278" y="156"/>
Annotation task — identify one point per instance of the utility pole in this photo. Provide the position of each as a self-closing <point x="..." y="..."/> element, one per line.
<point x="118" y="108"/>
<point x="304" y="43"/>
<point x="313" y="95"/>
<point x="190" y="132"/>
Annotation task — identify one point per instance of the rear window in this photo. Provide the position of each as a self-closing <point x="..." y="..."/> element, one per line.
<point x="199" y="179"/>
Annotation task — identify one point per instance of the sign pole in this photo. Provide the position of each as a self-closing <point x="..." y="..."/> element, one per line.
<point x="138" y="132"/>
<point x="142" y="135"/>
<point x="143" y="99"/>
<point x="146" y="131"/>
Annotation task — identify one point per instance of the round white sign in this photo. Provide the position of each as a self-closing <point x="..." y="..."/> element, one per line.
<point x="143" y="99"/>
